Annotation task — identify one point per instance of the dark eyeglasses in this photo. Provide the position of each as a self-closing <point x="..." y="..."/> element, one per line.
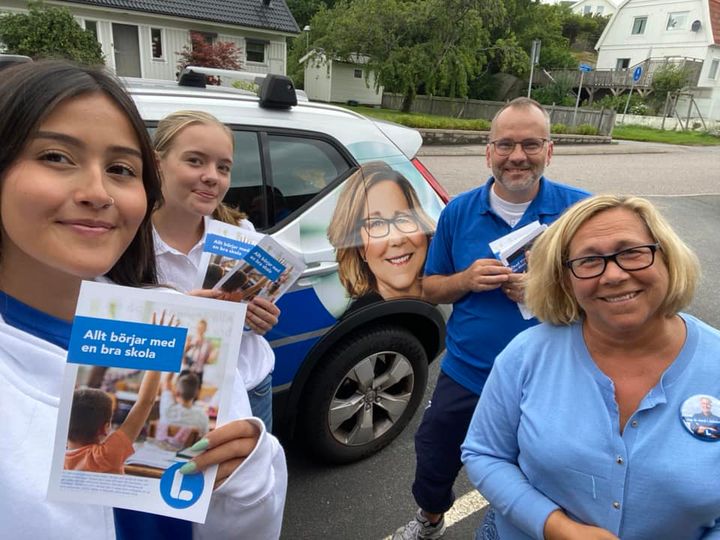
<point x="380" y="227"/>
<point x="630" y="260"/>
<point x="505" y="147"/>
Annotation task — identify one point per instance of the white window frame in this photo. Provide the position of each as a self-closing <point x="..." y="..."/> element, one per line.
<point x="95" y="22"/>
<point x="714" y="68"/>
<point x="357" y="73"/>
<point x="677" y="20"/>
<point x="587" y="9"/>
<point x="264" y="45"/>
<point x="617" y="63"/>
<point x="639" y="23"/>
<point x="162" y="57"/>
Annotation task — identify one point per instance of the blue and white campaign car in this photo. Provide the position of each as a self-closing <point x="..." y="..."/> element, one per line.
<point x="350" y="368"/>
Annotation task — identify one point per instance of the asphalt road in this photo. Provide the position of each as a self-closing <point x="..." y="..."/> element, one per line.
<point x="369" y="499"/>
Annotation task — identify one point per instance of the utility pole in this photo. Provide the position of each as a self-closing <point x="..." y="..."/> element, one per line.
<point x="534" y="59"/>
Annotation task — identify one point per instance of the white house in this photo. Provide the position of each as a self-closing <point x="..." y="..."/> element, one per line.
<point x="594" y="7"/>
<point x="340" y="81"/>
<point x="142" y="38"/>
<point x="670" y="29"/>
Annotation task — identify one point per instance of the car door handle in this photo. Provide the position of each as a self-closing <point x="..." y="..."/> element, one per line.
<point x="320" y="269"/>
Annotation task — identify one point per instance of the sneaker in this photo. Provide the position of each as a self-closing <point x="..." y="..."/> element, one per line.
<point x="420" y="528"/>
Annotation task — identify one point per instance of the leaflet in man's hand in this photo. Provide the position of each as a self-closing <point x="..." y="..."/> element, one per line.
<point x="243" y="265"/>
<point x="111" y="444"/>
<point x="512" y="249"/>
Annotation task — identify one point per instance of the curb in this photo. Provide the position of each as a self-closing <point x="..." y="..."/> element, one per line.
<point x="448" y="137"/>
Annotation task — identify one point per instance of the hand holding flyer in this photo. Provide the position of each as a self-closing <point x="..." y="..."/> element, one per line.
<point x="115" y="444"/>
<point x="512" y="250"/>
<point x="242" y="264"/>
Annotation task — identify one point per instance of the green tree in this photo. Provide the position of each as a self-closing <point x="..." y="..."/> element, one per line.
<point x="523" y="22"/>
<point x="670" y="78"/>
<point x="49" y="32"/>
<point x="436" y="46"/>
<point x="305" y="10"/>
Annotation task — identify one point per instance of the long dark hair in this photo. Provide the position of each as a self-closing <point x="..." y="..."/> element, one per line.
<point x="30" y="92"/>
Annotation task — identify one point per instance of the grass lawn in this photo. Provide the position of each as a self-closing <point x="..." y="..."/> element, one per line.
<point x="422" y="120"/>
<point x="645" y="134"/>
<point x="629" y="132"/>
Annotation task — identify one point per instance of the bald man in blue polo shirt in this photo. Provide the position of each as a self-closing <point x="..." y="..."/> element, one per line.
<point x="461" y="270"/>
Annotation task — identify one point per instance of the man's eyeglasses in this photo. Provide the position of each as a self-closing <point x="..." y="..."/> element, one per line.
<point x="380" y="227"/>
<point x="505" y="147"/>
<point x="630" y="260"/>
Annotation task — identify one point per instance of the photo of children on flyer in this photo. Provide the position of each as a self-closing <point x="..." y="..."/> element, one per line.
<point x="125" y="421"/>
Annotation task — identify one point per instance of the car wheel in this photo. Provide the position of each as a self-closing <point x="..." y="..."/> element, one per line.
<point x="363" y="394"/>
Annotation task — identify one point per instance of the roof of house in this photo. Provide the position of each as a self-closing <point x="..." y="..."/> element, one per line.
<point x="251" y="13"/>
<point x="714" y="6"/>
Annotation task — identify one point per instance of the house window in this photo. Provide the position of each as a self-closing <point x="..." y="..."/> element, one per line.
<point x="207" y="37"/>
<point x="677" y="21"/>
<point x="157" y="44"/>
<point x="639" y="25"/>
<point x="622" y="63"/>
<point x="599" y="10"/>
<point x="91" y="26"/>
<point x="357" y="73"/>
<point x="587" y="10"/>
<point x="712" y="73"/>
<point x="255" y="51"/>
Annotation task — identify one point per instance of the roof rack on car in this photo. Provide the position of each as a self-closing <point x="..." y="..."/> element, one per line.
<point x="275" y="91"/>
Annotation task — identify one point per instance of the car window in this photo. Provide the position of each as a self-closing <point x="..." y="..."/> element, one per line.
<point x="246" y="185"/>
<point x="301" y="168"/>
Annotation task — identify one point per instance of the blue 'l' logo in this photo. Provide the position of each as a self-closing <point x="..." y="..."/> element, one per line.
<point x="181" y="490"/>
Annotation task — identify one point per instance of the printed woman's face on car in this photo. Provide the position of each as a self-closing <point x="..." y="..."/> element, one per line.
<point x="394" y="244"/>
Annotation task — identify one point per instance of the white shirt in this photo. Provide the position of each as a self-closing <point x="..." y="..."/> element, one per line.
<point x="178" y="270"/>
<point x="510" y="212"/>
<point x="172" y="412"/>
<point x="31" y="373"/>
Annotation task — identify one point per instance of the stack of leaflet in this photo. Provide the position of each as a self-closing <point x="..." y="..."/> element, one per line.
<point x="244" y="264"/>
<point x="512" y="249"/>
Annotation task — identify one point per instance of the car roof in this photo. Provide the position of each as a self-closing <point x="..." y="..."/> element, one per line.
<point x="157" y="98"/>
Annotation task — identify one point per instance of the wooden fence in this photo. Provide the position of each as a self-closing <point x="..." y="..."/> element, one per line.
<point x="602" y="119"/>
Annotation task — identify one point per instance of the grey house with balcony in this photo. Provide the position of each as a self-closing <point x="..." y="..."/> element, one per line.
<point x="142" y="38"/>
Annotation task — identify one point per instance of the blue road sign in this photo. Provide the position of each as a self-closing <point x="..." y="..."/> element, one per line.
<point x="637" y="73"/>
<point x="585" y="67"/>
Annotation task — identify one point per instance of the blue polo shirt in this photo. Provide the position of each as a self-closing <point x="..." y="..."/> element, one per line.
<point x="482" y="324"/>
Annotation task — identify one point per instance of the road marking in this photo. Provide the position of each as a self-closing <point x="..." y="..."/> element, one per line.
<point x="464" y="507"/>
<point x="467" y="505"/>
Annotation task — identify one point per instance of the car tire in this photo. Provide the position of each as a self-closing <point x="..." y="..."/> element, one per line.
<point x="363" y="394"/>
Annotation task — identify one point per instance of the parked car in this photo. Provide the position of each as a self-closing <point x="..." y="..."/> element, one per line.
<point x="346" y="382"/>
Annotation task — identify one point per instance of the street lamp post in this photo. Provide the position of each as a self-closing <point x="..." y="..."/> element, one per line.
<point x="307" y="36"/>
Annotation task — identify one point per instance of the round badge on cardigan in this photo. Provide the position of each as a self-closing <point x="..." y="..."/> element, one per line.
<point x="699" y="415"/>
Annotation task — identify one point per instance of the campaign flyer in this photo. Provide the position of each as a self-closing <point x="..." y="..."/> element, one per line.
<point x="512" y="249"/>
<point x="149" y="373"/>
<point x="225" y="245"/>
<point x="244" y="264"/>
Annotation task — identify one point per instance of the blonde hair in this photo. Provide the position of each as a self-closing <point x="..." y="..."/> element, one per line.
<point x="548" y="292"/>
<point x="344" y="228"/>
<point x="171" y="126"/>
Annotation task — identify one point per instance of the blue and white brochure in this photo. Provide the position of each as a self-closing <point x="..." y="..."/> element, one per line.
<point x="512" y="249"/>
<point x="124" y="424"/>
<point x="244" y="264"/>
<point x="225" y="245"/>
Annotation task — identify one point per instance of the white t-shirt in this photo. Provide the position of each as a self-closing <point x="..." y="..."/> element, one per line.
<point x="172" y="412"/>
<point x="510" y="212"/>
<point x="178" y="270"/>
